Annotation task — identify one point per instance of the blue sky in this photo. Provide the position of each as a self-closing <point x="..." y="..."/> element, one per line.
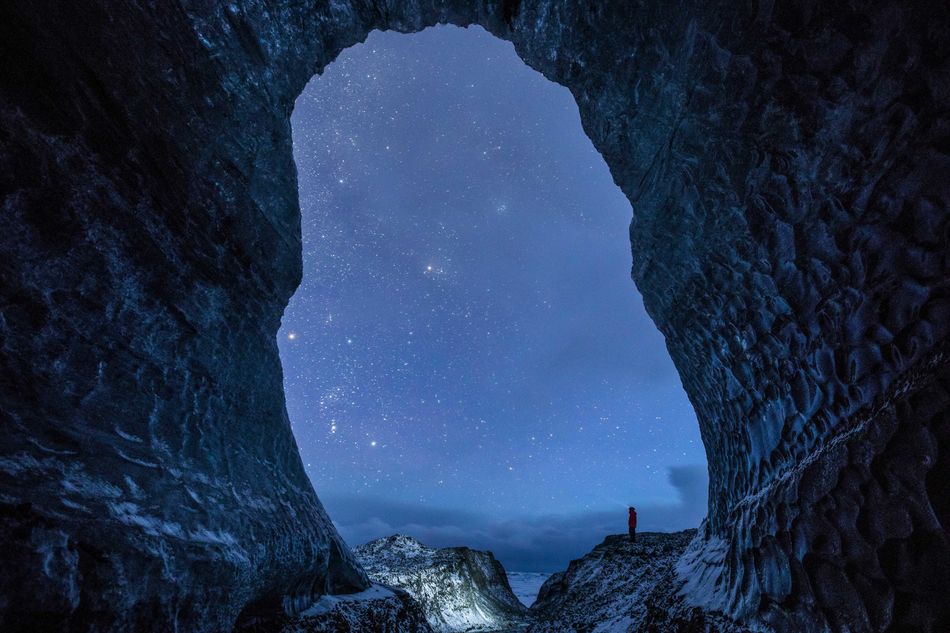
<point x="467" y="345"/>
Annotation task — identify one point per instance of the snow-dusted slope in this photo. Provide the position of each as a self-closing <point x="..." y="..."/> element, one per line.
<point x="377" y="609"/>
<point x="622" y="587"/>
<point x="460" y="589"/>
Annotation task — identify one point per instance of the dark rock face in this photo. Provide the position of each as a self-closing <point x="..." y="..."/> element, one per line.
<point x="458" y="588"/>
<point x="787" y="165"/>
<point x="624" y="586"/>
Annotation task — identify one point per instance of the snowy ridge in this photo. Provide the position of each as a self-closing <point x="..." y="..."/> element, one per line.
<point x="621" y="587"/>
<point x="328" y="603"/>
<point x="377" y="609"/>
<point x="458" y="588"/>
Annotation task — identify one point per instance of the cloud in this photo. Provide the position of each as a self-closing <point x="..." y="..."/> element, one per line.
<point x="537" y="543"/>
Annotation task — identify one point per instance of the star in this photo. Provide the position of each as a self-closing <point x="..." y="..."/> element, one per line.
<point x="423" y="252"/>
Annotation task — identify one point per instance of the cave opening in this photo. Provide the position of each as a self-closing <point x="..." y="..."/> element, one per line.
<point x="788" y="169"/>
<point x="467" y="359"/>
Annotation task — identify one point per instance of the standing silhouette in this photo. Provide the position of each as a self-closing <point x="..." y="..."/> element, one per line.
<point x="632" y="524"/>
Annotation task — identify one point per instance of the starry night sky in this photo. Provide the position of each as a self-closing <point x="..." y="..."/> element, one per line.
<point x="467" y="357"/>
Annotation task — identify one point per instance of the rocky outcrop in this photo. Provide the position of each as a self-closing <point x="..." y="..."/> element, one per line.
<point x="458" y="588"/>
<point x="373" y="610"/>
<point x="624" y="586"/>
<point x="787" y="165"/>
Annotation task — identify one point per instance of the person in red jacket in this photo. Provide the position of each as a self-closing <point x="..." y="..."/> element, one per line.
<point x="632" y="524"/>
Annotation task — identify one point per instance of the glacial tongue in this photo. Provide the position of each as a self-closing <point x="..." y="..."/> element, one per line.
<point x="459" y="589"/>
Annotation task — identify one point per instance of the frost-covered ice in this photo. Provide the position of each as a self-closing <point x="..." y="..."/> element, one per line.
<point x="700" y="569"/>
<point x="525" y="585"/>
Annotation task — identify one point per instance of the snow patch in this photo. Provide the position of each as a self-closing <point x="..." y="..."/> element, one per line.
<point x="700" y="569"/>
<point x="133" y="460"/>
<point x="127" y="436"/>
<point x="328" y="603"/>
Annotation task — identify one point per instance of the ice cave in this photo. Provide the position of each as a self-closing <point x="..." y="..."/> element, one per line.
<point x="787" y="163"/>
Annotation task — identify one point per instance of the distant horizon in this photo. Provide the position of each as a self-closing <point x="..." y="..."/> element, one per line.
<point x="510" y="570"/>
<point x="528" y="543"/>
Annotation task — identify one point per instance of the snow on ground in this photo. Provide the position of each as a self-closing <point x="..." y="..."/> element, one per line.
<point x="375" y="609"/>
<point x="327" y="603"/>
<point x="610" y="589"/>
<point x="526" y="584"/>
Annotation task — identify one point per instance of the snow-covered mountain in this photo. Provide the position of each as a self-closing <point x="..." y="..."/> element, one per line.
<point x="459" y="589"/>
<point x="621" y="587"/>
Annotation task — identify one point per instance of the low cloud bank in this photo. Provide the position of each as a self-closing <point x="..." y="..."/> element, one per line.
<point x="538" y="543"/>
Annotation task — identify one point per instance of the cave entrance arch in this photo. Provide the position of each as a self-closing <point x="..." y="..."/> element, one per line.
<point x="466" y="312"/>
<point x="772" y="292"/>
<point x="787" y="165"/>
